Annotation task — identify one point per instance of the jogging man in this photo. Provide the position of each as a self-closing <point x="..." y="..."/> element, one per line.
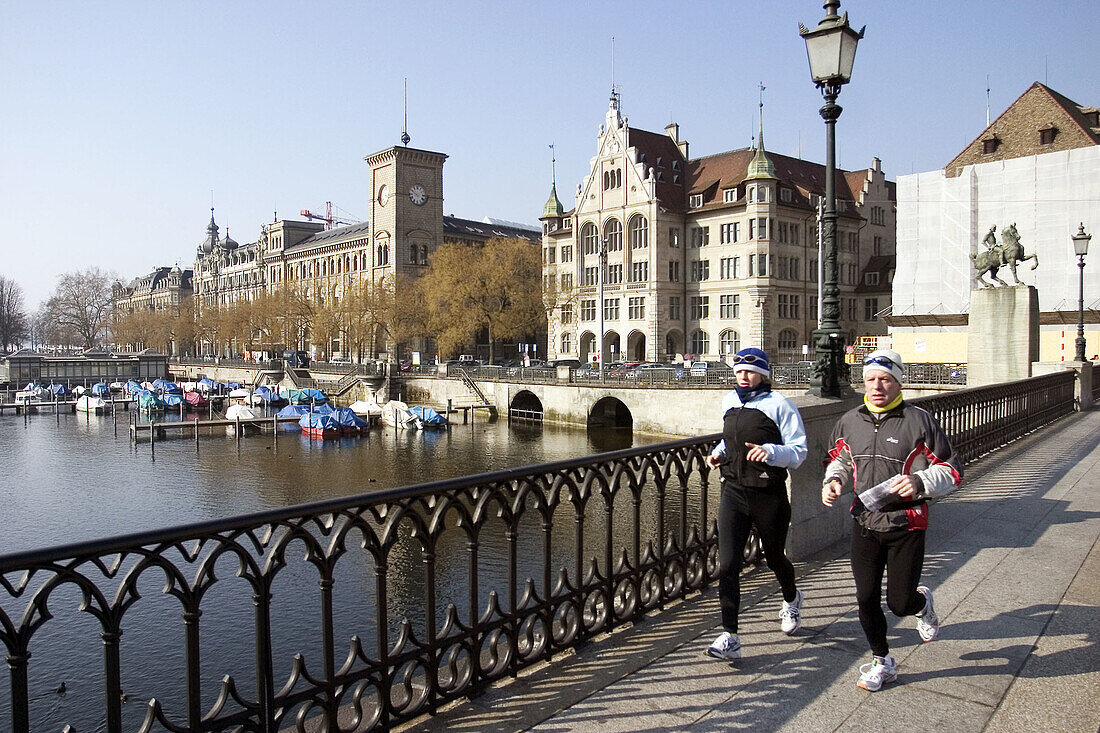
<point x="762" y="436"/>
<point x="899" y="457"/>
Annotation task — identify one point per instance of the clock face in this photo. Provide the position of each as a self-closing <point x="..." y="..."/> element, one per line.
<point x="417" y="195"/>
<point x="383" y="194"/>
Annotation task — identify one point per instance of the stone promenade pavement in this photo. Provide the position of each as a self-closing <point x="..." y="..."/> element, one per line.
<point x="1013" y="558"/>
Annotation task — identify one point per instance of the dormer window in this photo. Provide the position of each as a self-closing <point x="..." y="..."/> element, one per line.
<point x="675" y="165"/>
<point x="675" y="177"/>
<point x="752" y="193"/>
<point x="1092" y="119"/>
<point x="695" y="200"/>
<point x="990" y="146"/>
<point x="785" y="195"/>
<point x="871" y="278"/>
<point x="729" y="195"/>
<point x="1046" y="135"/>
<point x="659" y="163"/>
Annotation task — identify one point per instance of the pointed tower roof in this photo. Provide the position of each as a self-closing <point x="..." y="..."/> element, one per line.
<point x="761" y="165"/>
<point x="208" y="244"/>
<point x="553" y="208"/>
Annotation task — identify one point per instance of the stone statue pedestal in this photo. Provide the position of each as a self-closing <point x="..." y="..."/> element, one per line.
<point x="1004" y="334"/>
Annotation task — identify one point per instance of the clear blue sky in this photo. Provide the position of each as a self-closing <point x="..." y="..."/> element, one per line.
<point x="120" y="118"/>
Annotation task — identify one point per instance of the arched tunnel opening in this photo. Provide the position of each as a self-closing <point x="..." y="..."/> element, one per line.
<point x="525" y="406"/>
<point x="610" y="424"/>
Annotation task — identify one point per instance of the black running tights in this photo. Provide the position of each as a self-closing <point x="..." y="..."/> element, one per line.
<point x="901" y="553"/>
<point x="738" y="510"/>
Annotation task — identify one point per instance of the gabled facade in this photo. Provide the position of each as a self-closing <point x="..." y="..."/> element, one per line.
<point x="707" y="255"/>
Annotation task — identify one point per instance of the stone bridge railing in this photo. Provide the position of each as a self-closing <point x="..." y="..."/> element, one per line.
<point x="364" y="612"/>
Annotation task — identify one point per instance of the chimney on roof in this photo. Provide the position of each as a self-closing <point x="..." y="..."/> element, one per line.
<point x="876" y="164"/>
<point x="672" y="129"/>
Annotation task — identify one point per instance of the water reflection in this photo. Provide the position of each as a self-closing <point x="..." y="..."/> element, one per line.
<point x="75" y="478"/>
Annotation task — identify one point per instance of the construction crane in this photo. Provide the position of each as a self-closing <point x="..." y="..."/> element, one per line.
<point x="328" y="218"/>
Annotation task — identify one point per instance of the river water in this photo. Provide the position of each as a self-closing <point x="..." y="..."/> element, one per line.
<point x="72" y="478"/>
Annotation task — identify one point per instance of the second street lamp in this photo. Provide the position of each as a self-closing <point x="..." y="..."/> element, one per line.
<point x="831" y="48"/>
<point x="1081" y="248"/>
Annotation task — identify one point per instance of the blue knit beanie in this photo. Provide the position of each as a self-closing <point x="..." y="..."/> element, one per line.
<point x="752" y="360"/>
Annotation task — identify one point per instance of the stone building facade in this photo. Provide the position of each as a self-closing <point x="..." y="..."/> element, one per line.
<point x="707" y="255"/>
<point x="163" y="289"/>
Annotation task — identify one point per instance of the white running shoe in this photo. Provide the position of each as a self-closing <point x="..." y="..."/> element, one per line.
<point x="726" y="647"/>
<point x="928" y="623"/>
<point x="880" y="671"/>
<point x="790" y="616"/>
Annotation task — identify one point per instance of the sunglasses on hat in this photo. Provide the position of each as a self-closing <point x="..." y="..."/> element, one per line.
<point x="747" y="359"/>
<point x="883" y="361"/>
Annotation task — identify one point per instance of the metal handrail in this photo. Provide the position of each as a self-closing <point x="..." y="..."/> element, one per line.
<point x="555" y="554"/>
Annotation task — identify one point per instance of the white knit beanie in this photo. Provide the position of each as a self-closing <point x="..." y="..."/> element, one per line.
<point x="885" y="360"/>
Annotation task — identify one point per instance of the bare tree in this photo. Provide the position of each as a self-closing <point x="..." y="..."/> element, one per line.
<point x="496" y="286"/>
<point x="81" y="304"/>
<point x="14" y="324"/>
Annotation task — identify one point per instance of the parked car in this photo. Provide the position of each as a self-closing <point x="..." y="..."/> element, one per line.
<point x="622" y="370"/>
<point x="652" y="371"/>
<point x="712" y="372"/>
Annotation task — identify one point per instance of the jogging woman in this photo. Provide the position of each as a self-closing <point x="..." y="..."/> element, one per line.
<point x="762" y="436"/>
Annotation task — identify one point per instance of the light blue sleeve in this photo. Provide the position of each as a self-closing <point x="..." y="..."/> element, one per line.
<point x="794" y="449"/>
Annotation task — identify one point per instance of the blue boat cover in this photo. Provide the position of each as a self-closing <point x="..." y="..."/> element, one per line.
<point x="317" y="420"/>
<point x="99" y="388"/>
<point x="59" y="389"/>
<point x="428" y="415"/>
<point x="163" y="385"/>
<point x="171" y="400"/>
<point x="347" y="418"/>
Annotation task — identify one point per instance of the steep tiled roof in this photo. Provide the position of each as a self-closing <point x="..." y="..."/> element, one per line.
<point x="711" y="174"/>
<point x="1014" y="130"/>
<point x="656" y="145"/>
<point x="883" y="265"/>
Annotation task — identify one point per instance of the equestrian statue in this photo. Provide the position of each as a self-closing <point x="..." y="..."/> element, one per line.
<point x="1007" y="252"/>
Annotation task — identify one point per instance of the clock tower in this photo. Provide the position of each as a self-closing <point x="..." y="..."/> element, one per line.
<point x="406" y="209"/>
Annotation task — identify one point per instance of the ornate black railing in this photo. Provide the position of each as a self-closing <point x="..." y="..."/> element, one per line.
<point x="982" y="419"/>
<point x="361" y="613"/>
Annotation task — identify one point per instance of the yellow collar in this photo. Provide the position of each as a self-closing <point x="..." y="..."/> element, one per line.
<point x="880" y="410"/>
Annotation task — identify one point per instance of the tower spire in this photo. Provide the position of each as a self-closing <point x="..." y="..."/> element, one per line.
<point x="405" y="139"/>
<point x="553" y="208"/>
<point x="761" y="165"/>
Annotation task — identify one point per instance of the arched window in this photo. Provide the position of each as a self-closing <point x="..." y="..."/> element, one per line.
<point x="566" y="343"/>
<point x="730" y="341"/>
<point x="591" y="239"/>
<point x="639" y="232"/>
<point x="413" y="254"/>
<point x="423" y="254"/>
<point x="613" y="233"/>
<point x="606" y="180"/>
<point x="700" y="342"/>
<point x="788" y="340"/>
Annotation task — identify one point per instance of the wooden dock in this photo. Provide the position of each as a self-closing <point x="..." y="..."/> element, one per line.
<point x="55" y="406"/>
<point x="153" y="431"/>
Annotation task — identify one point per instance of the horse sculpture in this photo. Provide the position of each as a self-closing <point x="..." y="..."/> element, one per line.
<point x="1008" y="252"/>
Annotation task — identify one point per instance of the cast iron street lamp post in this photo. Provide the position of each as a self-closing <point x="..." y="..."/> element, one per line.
<point x="1081" y="248"/>
<point x="831" y="48"/>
